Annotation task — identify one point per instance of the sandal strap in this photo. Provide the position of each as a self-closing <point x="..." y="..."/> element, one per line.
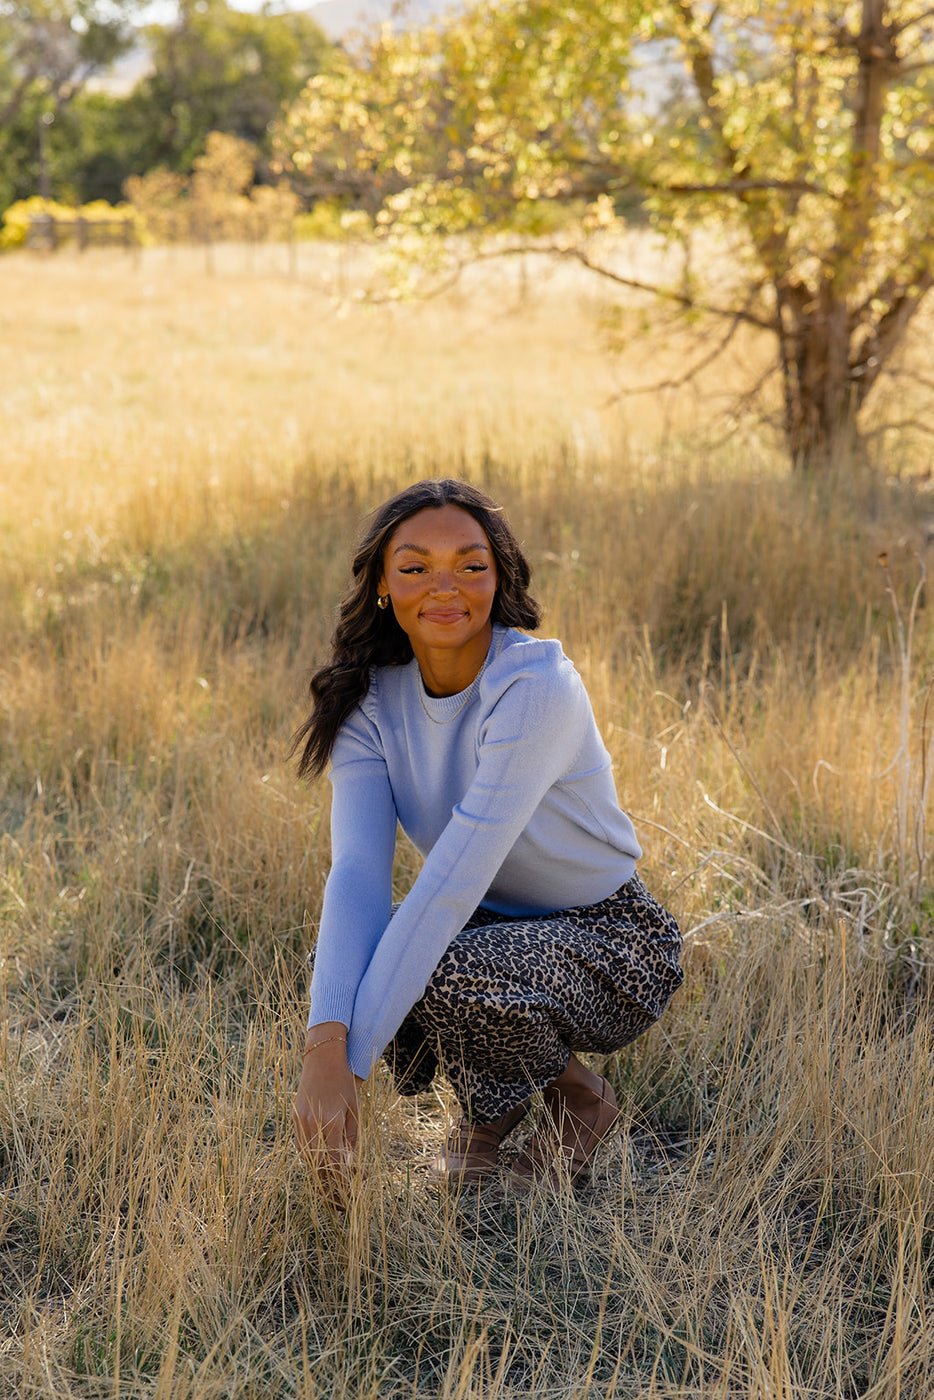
<point x="469" y="1135"/>
<point x="465" y="1135"/>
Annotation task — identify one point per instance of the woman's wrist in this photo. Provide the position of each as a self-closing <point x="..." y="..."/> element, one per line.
<point x="328" y="1034"/>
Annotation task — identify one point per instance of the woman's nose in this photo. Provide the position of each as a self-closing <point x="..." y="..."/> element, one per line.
<point x="444" y="582"/>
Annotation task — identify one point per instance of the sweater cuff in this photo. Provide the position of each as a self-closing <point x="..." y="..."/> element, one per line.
<point x="362" y="1053"/>
<point x="331" y="1003"/>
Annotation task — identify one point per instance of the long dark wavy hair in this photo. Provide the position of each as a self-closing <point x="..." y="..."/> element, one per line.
<point x="367" y="636"/>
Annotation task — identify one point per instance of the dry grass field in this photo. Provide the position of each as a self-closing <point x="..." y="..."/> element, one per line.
<point x="184" y="461"/>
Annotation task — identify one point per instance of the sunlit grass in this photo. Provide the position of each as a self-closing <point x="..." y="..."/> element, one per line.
<point x="186" y="461"/>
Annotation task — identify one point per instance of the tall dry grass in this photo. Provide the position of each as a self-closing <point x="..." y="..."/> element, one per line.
<point x="186" y="460"/>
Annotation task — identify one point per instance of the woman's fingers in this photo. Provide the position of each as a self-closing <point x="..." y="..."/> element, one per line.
<point x="336" y="1141"/>
<point x="326" y="1148"/>
<point x="315" y="1136"/>
<point x="324" y="1115"/>
<point x="351" y="1126"/>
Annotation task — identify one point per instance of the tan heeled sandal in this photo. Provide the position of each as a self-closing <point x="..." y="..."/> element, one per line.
<point x="548" y="1160"/>
<point x="470" y="1154"/>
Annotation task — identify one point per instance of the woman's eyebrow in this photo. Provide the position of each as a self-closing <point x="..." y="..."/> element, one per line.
<point x="420" y="549"/>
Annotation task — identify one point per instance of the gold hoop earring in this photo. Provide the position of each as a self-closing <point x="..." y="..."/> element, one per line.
<point x="382" y="603"/>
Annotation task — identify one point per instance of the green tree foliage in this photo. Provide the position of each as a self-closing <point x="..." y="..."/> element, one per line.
<point x="55" y="46"/>
<point x="220" y="200"/>
<point x="215" y="69"/>
<point x="801" y="130"/>
<point x="221" y="69"/>
<point x="49" y="49"/>
<point x="88" y="151"/>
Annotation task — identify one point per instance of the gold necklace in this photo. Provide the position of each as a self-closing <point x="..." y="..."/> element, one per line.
<point x="470" y="690"/>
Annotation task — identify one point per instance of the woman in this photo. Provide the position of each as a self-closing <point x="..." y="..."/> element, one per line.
<point x="527" y="936"/>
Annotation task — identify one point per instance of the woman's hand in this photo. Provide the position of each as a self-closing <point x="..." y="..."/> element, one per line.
<point x="324" y="1115"/>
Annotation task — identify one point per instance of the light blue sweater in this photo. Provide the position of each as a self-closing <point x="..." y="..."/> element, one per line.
<point x="509" y="798"/>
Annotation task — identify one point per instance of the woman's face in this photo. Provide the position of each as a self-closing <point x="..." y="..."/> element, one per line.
<point x="440" y="574"/>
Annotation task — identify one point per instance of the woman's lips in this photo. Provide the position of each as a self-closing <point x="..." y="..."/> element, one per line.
<point x="443" y="615"/>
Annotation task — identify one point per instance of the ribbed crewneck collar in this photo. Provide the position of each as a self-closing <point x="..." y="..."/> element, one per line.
<point x="445" y="708"/>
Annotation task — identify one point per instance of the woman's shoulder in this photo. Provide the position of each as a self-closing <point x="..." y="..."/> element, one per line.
<point x="515" y="650"/>
<point x="387" y="689"/>
<point x="530" y="662"/>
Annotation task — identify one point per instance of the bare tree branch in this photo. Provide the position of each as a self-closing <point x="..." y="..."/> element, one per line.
<point x="907" y="24"/>
<point x="915" y="378"/>
<point x="741" y="187"/>
<point x="897" y="425"/>
<point x="379" y="299"/>
<point x="479" y="255"/>
<point x="745" y="402"/>
<point x="879" y="346"/>
<point x="689" y="374"/>
<point x="664" y="293"/>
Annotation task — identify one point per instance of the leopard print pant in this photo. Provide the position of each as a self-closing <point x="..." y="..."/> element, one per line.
<point x="512" y="997"/>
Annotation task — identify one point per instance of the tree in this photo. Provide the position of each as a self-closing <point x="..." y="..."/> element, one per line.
<point x="220" y="200"/>
<point x="221" y="69"/>
<point x="214" y="69"/>
<point x="803" y="130"/>
<point x="49" y="49"/>
<point x="57" y="45"/>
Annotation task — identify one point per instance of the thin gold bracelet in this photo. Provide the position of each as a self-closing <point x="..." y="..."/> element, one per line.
<point x="314" y="1045"/>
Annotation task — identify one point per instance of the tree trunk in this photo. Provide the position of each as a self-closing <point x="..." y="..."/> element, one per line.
<point x="878" y="62"/>
<point x="819" y="391"/>
<point x="824" y="380"/>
